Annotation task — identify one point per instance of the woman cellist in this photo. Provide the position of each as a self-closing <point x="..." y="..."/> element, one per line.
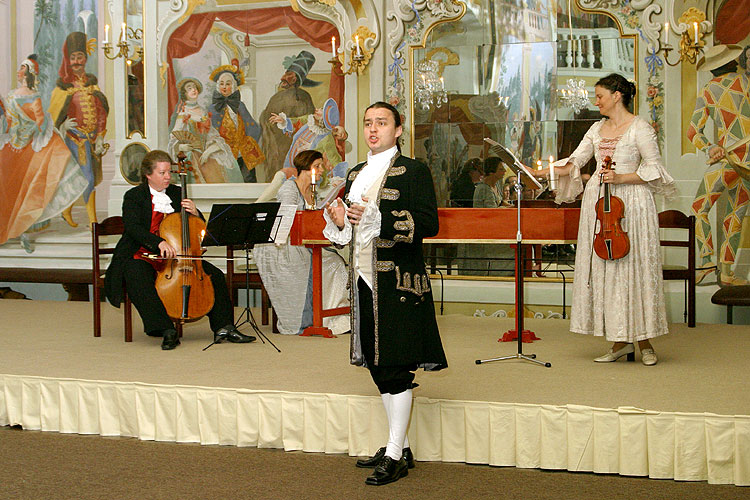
<point x="621" y="299"/>
<point x="143" y="209"/>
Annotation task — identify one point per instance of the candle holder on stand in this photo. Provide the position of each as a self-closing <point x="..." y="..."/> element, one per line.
<point x="314" y="188"/>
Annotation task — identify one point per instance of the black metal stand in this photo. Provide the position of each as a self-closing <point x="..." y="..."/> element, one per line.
<point x="519" y="291"/>
<point x="249" y="319"/>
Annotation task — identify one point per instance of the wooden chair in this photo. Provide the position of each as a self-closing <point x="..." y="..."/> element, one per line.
<point x="109" y="227"/>
<point x="731" y="296"/>
<point x="674" y="219"/>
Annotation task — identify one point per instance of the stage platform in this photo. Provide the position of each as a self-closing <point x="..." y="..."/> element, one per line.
<point x="687" y="418"/>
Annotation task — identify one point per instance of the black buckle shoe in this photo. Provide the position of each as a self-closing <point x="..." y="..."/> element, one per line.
<point x="388" y="471"/>
<point x="170" y="340"/>
<point x="231" y="334"/>
<point x="373" y="461"/>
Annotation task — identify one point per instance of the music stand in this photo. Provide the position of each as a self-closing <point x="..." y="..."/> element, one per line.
<point x="245" y="224"/>
<point x="510" y="160"/>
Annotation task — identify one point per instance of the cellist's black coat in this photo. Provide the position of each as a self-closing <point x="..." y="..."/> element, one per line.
<point x="136" y="217"/>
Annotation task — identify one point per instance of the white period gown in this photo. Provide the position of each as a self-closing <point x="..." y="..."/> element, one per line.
<point x="621" y="299"/>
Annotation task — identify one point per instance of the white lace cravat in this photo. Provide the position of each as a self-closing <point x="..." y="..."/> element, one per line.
<point x="162" y="202"/>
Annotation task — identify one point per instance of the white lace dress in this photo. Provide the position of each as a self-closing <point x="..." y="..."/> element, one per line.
<point x="621" y="299"/>
<point x="286" y="271"/>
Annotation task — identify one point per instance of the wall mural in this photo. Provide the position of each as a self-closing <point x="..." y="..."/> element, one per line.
<point x="52" y="125"/>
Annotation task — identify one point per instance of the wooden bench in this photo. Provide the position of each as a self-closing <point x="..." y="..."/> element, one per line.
<point x="74" y="281"/>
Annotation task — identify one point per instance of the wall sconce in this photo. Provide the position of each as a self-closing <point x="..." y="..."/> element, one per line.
<point x="123" y="45"/>
<point x="691" y="37"/>
<point x="429" y="88"/>
<point x="356" y="54"/>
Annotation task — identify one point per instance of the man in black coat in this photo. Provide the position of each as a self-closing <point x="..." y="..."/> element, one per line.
<point x="391" y="208"/>
<point x="143" y="208"/>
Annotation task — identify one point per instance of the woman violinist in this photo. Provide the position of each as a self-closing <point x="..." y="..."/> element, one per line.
<point x="621" y="299"/>
<point x="143" y="209"/>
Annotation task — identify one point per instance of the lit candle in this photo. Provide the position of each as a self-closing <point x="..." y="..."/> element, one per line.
<point x="333" y="47"/>
<point x="106" y="33"/>
<point x="313" y="176"/>
<point x="124" y="32"/>
<point x="552" y="175"/>
<point x="356" y="39"/>
<point x="695" y="27"/>
<point x="666" y="33"/>
<point x="424" y="81"/>
<point x="442" y="84"/>
<point x="539" y="164"/>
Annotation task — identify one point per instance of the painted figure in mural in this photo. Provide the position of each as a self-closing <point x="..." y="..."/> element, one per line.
<point x="726" y="100"/>
<point x="319" y="131"/>
<point x="621" y="299"/>
<point x="79" y="109"/>
<point x="192" y="133"/>
<point x="391" y="209"/>
<point x="235" y="124"/>
<point x="39" y="176"/>
<point x="291" y="100"/>
<point x="286" y="270"/>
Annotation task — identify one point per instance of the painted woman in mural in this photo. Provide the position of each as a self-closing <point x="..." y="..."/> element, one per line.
<point x="79" y="109"/>
<point x="230" y="117"/>
<point x="191" y="133"/>
<point x="726" y="100"/>
<point x="40" y="178"/>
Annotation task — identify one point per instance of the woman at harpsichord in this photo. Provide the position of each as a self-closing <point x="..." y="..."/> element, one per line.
<point x="620" y="299"/>
<point x="286" y="270"/>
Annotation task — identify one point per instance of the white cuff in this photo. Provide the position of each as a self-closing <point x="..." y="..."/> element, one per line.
<point x="332" y="231"/>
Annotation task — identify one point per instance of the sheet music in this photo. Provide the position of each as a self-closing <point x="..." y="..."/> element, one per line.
<point x="283" y="224"/>
<point x="509" y="159"/>
<point x="335" y="188"/>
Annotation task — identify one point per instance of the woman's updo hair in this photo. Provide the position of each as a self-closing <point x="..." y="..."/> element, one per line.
<point x="618" y="83"/>
<point x="491" y="164"/>
<point x="305" y="159"/>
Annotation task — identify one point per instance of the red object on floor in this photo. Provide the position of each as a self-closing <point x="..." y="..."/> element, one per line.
<point x="528" y="336"/>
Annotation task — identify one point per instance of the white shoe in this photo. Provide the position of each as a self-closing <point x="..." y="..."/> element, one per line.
<point x="648" y="357"/>
<point x="615" y="355"/>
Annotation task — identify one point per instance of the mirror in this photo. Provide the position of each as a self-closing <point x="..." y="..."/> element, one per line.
<point x="135" y="69"/>
<point x="130" y="161"/>
<point x="504" y="66"/>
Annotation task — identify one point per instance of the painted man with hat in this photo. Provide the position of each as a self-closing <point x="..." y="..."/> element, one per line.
<point x="726" y="100"/>
<point x="79" y="109"/>
<point x="293" y="101"/>
<point x="235" y="124"/>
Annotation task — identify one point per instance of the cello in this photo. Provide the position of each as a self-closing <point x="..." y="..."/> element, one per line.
<point x="611" y="242"/>
<point x="182" y="285"/>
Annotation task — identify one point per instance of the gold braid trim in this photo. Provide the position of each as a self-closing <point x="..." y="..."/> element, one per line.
<point x="419" y="286"/>
<point x="403" y="225"/>
<point x="385" y="266"/>
<point x="390" y="194"/>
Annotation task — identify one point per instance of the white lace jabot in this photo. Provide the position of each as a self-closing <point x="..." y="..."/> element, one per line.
<point x="162" y="202"/>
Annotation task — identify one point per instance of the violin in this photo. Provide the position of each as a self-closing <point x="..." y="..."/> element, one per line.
<point x="182" y="285"/>
<point x="610" y="241"/>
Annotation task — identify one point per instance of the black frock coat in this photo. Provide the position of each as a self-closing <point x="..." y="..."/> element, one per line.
<point x="136" y="217"/>
<point x="406" y="331"/>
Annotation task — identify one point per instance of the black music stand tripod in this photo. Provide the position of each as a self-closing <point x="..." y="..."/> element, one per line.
<point x="243" y="225"/>
<point x="512" y="162"/>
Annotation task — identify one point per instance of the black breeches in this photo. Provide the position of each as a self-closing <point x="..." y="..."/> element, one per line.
<point x="140" y="279"/>
<point x="389" y="379"/>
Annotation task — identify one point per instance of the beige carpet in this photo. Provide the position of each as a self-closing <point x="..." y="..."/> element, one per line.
<point x="700" y="370"/>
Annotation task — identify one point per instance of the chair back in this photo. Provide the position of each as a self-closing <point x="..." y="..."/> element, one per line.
<point x="674" y="219"/>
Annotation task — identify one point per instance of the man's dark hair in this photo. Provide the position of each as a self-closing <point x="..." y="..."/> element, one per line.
<point x="150" y="160"/>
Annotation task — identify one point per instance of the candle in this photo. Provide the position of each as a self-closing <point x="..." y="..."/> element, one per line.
<point x="552" y="175"/>
<point x="123" y="32"/>
<point x="695" y="27"/>
<point x="442" y="84"/>
<point x="666" y="33"/>
<point x="539" y="164"/>
<point x="333" y="47"/>
<point x="356" y="39"/>
<point x="313" y="176"/>
<point x="106" y="33"/>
